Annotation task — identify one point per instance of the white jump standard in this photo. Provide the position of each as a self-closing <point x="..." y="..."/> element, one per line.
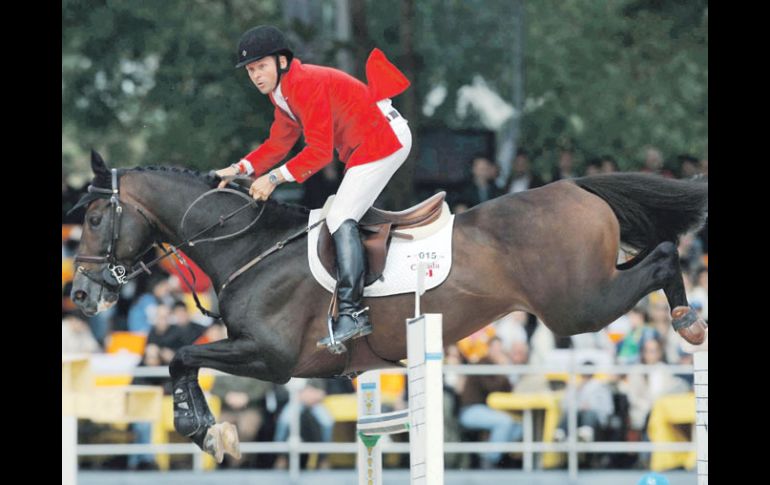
<point x="424" y="420"/>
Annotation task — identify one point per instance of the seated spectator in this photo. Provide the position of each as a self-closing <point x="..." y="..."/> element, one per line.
<point x="511" y="328"/>
<point x="241" y="398"/>
<point x="139" y="313"/>
<point x="608" y="164"/>
<point x="481" y="187"/>
<point x="76" y="336"/>
<point x="629" y="349"/>
<point x="653" y="163"/>
<point x="522" y="177"/>
<point x="162" y="343"/>
<point x="593" y="167"/>
<point x="594" y="408"/>
<point x="643" y="389"/>
<point x="476" y="415"/>
<point x="660" y="319"/>
<point x="565" y="167"/>
<point x="189" y="330"/>
<point x="164" y="339"/>
<point x="519" y="355"/>
<point x="689" y="166"/>
<point x="311" y="400"/>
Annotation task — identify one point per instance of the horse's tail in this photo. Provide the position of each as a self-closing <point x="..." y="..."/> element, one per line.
<point x="651" y="209"/>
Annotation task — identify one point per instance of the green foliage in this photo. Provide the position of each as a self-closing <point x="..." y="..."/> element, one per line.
<point x="153" y="82"/>
<point x="616" y="76"/>
<point x="603" y="77"/>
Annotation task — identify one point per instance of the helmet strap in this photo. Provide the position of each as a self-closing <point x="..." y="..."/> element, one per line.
<point x="278" y="68"/>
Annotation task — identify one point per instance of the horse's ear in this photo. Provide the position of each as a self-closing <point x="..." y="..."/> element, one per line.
<point x="98" y="165"/>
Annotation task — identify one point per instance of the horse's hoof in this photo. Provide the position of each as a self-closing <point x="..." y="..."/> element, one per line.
<point x="689" y="325"/>
<point x="220" y="439"/>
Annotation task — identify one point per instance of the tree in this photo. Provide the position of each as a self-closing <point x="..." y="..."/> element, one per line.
<point x="154" y="83"/>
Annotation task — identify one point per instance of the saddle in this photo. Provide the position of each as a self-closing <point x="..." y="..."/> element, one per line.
<point x="377" y="228"/>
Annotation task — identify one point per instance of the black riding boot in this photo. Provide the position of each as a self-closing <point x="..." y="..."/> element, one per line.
<point x="351" y="268"/>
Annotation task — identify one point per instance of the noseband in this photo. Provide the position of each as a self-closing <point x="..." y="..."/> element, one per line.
<point x="114" y="274"/>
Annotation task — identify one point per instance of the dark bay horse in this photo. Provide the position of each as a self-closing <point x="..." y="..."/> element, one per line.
<point x="550" y="251"/>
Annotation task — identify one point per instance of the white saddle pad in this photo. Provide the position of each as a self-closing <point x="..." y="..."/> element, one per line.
<point x="432" y="244"/>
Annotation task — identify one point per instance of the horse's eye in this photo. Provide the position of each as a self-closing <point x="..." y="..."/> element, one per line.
<point x="95" y="220"/>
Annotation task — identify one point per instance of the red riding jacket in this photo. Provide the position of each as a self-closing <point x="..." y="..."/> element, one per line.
<point x="334" y="111"/>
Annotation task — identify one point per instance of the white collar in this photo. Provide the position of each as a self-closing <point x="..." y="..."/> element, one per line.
<point x="277" y="91"/>
<point x="281" y="101"/>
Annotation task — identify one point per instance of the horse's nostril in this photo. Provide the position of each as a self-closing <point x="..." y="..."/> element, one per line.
<point x="79" y="295"/>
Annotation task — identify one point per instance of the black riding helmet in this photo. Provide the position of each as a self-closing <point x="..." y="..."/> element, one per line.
<point x="263" y="41"/>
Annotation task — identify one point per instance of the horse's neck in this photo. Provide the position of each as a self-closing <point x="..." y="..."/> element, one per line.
<point x="169" y="198"/>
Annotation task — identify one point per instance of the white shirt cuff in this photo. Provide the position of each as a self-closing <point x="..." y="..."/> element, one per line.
<point x="286" y="174"/>
<point x="246" y="166"/>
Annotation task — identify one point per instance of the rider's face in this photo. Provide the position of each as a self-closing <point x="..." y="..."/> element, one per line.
<point x="264" y="73"/>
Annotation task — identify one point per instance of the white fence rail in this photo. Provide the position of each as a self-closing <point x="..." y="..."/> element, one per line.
<point x="294" y="446"/>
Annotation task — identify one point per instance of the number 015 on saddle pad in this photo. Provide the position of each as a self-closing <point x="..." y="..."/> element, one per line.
<point x="395" y="243"/>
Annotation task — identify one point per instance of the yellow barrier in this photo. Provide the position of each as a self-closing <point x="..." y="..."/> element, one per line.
<point x="667" y="414"/>
<point x="539" y="401"/>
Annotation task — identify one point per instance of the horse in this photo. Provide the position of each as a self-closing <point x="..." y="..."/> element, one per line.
<point x="552" y="251"/>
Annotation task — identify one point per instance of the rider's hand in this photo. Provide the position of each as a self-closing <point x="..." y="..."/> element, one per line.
<point x="226" y="174"/>
<point x="262" y="188"/>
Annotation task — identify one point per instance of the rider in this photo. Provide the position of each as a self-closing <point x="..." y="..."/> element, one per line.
<point x="333" y="110"/>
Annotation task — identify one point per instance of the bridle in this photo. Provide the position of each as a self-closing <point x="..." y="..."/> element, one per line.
<point x="115" y="274"/>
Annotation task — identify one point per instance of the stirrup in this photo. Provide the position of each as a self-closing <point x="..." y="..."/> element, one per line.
<point x="334" y="346"/>
<point x="338" y="347"/>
